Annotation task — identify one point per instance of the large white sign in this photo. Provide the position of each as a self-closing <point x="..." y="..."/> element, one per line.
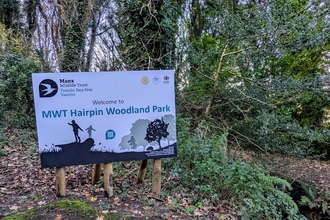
<point x="86" y="118"/>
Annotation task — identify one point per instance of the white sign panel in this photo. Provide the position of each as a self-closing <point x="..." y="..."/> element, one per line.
<point x="88" y="118"/>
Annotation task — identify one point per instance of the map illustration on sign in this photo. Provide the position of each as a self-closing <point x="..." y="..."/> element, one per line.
<point x="89" y="118"/>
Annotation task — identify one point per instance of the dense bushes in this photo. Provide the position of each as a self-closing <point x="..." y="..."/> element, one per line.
<point x="277" y="114"/>
<point x="203" y="168"/>
<point x="293" y="124"/>
<point x="16" y="90"/>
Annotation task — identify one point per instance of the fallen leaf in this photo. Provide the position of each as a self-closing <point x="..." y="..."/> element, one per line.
<point x="197" y="213"/>
<point x="93" y="199"/>
<point x="41" y="203"/>
<point x="136" y="211"/>
<point x="100" y="217"/>
<point x="58" y="217"/>
<point x="14" y="207"/>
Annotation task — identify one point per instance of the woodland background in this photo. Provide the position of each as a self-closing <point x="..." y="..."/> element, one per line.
<point x="251" y="75"/>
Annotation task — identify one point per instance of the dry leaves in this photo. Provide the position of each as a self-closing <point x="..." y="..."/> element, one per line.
<point x="58" y="217"/>
<point x="23" y="185"/>
<point x="92" y="199"/>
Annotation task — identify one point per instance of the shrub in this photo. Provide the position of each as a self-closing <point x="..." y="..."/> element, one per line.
<point x="203" y="168"/>
<point x="199" y="159"/>
<point x="258" y="195"/>
<point x="16" y="90"/>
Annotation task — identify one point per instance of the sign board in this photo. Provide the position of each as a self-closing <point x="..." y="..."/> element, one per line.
<point x="91" y="118"/>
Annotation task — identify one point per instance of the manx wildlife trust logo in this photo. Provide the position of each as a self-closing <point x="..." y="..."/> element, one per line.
<point x="47" y="88"/>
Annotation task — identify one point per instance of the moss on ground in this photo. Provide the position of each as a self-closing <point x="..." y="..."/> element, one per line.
<point x="64" y="209"/>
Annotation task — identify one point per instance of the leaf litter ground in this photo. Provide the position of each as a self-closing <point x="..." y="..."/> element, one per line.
<point x="24" y="186"/>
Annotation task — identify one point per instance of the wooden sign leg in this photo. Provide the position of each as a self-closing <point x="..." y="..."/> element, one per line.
<point x="108" y="180"/>
<point x="60" y="181"/>
<point x="142" y="171"/>
<point x="156" y="176"/>
<point x="96" y="173"/>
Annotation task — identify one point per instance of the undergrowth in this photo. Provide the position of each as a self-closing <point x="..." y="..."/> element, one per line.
<point x="203" y="167"/>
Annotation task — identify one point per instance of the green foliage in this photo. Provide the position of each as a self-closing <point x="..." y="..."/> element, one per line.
<point x="257" y="195"/>
<point x="13" y="43"/>
<point x="318" y="202"/>
<point x="73" y="33"/>
<point x="280" y="135"/>
<point x="16" y="90"/>
<point x="199" y="160"/>
<point x="202" y="166"/>
<point x="252" y="69"/>
<point x="9" y="13"/>
<point x="3" y="142"/>
<point x="293" y="125"/>
<point x="147" y="33"/>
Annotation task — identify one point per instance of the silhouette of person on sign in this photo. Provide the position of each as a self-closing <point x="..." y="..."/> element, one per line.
<point x="75" y="130"/>
<point x="89" y="131"/>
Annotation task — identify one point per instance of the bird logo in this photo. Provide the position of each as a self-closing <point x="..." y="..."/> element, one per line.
<point x="47" y="88"/>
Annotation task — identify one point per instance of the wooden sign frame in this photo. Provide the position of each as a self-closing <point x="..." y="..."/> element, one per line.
<point x="108" y="177"/>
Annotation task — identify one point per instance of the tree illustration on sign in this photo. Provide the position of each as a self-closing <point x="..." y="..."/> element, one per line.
<point x="156" y="130"/>
<point x="138" y="132"/>
<point x="132" y="143"/>
<point x="124" y="145"/>
<point x="170" y="119"/>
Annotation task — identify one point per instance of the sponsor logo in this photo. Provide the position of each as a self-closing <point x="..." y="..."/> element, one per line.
<point x="166" y="79"/>
<point x="145" y="80"/>
<point x="156" y="80"/>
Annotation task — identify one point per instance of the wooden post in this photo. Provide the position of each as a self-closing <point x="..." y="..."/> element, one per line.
<point x="156" y="176"/>
<point x="96" y="173"/>
<point x="60" y="181"/>
<point x="142" y="171"/>
<point x="108" y="181"/>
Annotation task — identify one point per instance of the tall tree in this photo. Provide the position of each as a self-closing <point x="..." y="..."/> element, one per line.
<point x="30" y="9"/>
<point x="75" y="18"/>
<point x="9" y="13"/>
<point x="147" y="31"/>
